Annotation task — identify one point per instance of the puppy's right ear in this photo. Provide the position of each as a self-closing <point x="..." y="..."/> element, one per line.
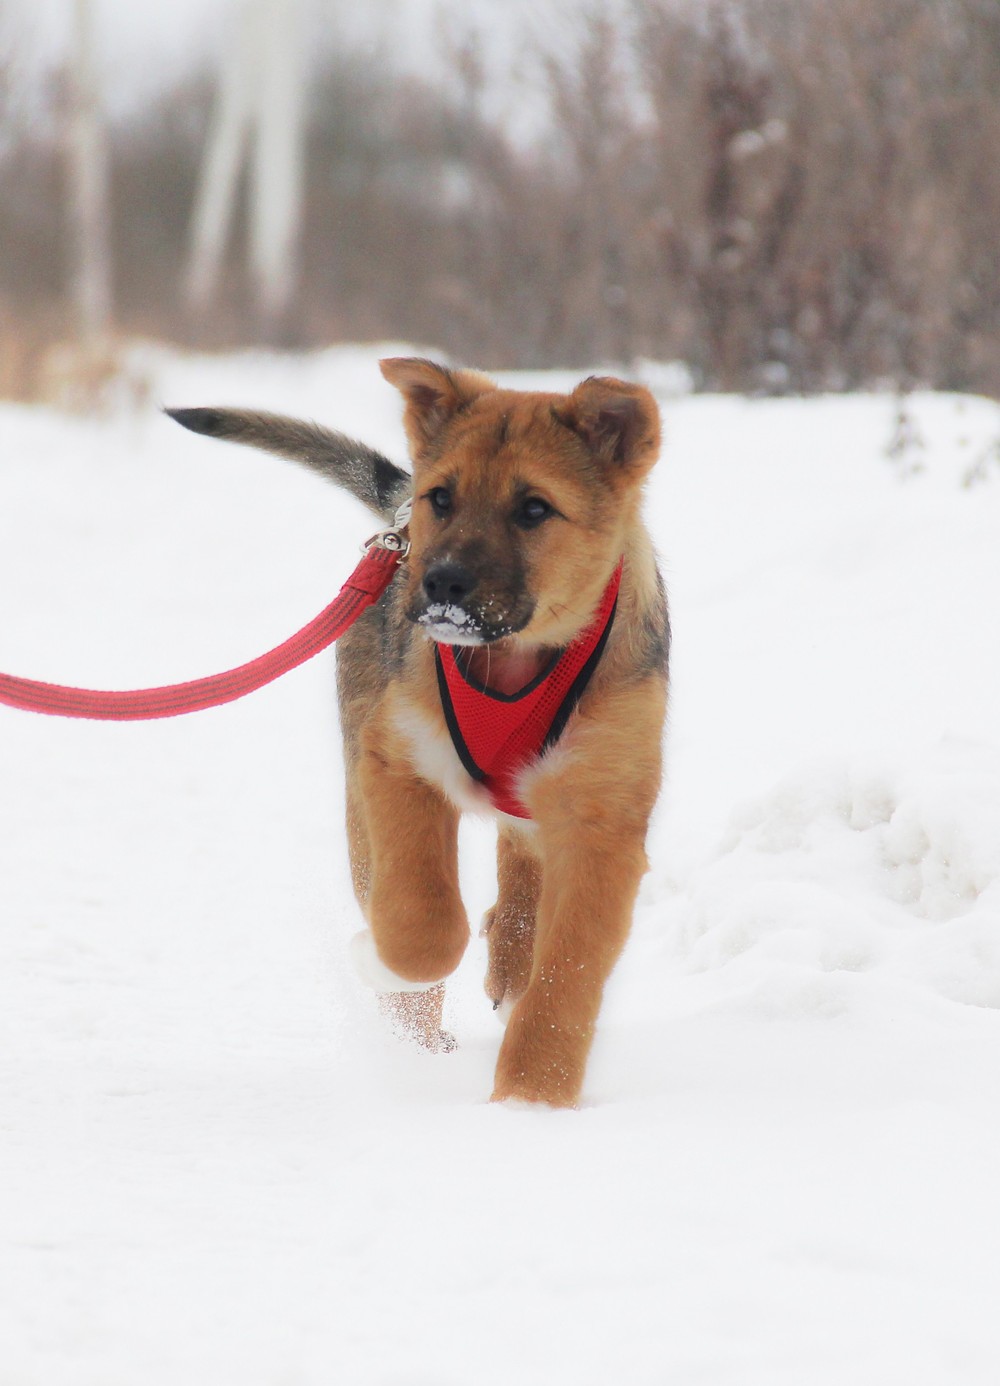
<point x="433" y="395"/>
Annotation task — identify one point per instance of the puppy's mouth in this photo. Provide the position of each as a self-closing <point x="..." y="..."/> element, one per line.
<point x="451" y="624"/>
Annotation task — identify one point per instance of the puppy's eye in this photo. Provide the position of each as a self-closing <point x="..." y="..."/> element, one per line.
<point x="532" y="512"/>
<point x="440" y="499"/>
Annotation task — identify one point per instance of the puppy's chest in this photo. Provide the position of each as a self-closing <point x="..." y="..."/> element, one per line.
<point x="431" y="749"/>
<point x="433" y="755"/>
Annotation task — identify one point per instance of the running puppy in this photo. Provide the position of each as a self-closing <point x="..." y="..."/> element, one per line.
<point x="517" y="665"/>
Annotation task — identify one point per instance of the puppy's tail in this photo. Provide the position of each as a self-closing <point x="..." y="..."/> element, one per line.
<point x="372" y="478"/>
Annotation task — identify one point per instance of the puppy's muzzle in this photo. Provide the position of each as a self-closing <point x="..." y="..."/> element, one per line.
<point x="445" y="615"/>
<point x="455" y="607"/>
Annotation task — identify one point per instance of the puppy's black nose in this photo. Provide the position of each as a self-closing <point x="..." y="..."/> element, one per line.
<point x="448" y="582"/>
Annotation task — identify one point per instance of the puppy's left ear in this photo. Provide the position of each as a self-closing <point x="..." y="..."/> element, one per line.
<point x="433" y="395"/>
<point x="618" y="421"/>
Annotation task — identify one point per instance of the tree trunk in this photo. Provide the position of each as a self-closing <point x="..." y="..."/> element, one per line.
<point x="260" y="102"/>
<point x="277" y="170"/>
<point x="88" y="187"/>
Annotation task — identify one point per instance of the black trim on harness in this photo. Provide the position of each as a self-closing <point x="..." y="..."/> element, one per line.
<point x="578" y="685"/>
<point x="455" y="731"/>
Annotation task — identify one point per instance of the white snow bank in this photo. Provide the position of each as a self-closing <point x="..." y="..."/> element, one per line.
<point x="845" y="870"/>
<point x="214" y="1166"/>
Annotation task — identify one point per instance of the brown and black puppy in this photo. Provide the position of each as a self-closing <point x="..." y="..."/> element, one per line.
<point x="526" y="509"/>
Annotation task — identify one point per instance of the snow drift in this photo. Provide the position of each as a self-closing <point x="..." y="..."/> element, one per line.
<point x="215" y="1166"/>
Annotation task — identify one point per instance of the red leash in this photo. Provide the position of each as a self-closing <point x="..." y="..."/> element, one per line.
<point x="361" y="590"/>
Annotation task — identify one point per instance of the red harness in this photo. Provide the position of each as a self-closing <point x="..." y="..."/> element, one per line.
<point x="497" y="734"/>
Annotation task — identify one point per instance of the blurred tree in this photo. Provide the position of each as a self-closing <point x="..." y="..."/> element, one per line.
<point x="260" y="103"/>
<point x="88" y="185"/>
<point x="783" y="194"/>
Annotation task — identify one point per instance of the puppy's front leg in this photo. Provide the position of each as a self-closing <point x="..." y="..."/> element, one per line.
<point x="583" y="922"/>
<point x="592" y="819"/>
<point x="419" y="928"/>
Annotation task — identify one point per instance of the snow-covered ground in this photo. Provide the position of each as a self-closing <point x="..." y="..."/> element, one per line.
<point x="216" y="1168"/>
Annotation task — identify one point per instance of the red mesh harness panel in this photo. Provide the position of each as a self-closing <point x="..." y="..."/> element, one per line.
<point x="496" y="734"/>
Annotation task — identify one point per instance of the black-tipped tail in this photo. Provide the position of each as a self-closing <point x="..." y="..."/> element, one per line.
<point x="212" y="422"/>
<point x="372" y="478"/>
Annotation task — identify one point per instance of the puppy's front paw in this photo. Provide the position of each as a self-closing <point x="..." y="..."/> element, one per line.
<point x="542" y="1057"/>
<point x="524" y="1097"/>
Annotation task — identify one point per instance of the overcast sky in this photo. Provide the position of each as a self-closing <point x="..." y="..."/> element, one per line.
<point x="144" y="43"/>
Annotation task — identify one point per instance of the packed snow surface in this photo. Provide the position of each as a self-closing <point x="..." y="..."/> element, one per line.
<point x="215" y="1166"/>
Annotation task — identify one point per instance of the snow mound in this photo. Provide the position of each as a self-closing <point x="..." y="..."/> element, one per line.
<point x="892" y="871"/>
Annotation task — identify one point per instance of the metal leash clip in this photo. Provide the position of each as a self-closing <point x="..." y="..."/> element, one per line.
<point x="394" y="539"/>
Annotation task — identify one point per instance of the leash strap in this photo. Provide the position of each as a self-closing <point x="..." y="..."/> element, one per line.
<point x="361" y="590"/>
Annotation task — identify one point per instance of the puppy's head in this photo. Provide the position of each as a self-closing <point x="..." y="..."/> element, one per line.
<point x="522" y="500"/>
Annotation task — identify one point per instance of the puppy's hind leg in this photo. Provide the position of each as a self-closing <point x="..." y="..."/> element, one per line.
<point x="509" y="926"/>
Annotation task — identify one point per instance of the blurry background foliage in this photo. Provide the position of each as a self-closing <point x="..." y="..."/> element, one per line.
<point x="786" y="195"/>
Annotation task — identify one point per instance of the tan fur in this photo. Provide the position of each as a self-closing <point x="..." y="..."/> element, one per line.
<point x="567" y="881"/>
